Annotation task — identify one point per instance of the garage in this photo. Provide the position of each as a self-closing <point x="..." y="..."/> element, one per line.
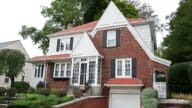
<point x="124" y="93"/>
<point x="125" y="100"/>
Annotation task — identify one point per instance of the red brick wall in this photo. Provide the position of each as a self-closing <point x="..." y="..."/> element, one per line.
<point x="101" y="102"/>
<point x="55" y="83"/>
<point x="129" y="48"/>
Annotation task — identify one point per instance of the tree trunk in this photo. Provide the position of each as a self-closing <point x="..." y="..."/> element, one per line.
<point x="12" y="81"/>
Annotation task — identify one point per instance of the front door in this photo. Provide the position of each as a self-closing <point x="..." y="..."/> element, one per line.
<point x="83" y="73"/>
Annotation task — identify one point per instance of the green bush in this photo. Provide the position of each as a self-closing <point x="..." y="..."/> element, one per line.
<point x="149" y="93"/>
<point x="38" y="101"/>
<point x="44" y="91"/>
<point x="149" y="98"/>
<point x="178" y="78"/>
<point x="2" y="91"/>
<point x="21" y="86"/>
<point x="190" y="73"/>
<point x="11" y="92"/>
<point x="61" y="92"/>
<point x="41" y="85"/>
<point x="31" y="90"/>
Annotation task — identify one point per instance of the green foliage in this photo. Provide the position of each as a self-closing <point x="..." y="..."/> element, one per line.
<point x="21" y="86"/>
<point x="190" y="73"/>
<point x="61" y="13"/>
<point x="2" y="91"/>
<point x="44" y="91"/>
<point x="149" y="93"/>
<point x="11" y="92"/>
<point x="38" y="101"/>
<point x="178" y="78"/>
<point x="178" y="42"/>
<point x="61" y="92"/>
<point x="149" y="98"/>
<point x="40" y="84"/>
<point x="12" y="62"/>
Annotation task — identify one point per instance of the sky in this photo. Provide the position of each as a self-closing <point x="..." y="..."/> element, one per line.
<point x="15" y="13"/>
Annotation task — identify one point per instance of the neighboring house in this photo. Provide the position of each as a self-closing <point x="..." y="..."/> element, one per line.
<point x="23" y="76"/>
<point x="114" y="56"/>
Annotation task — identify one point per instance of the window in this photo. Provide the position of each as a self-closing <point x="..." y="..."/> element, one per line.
<point x="39" y="70"/>
<point x="64" y="44"/>
<point x="111" y="38"/>
<point x="76" y="72"/>
<point x="23" y="78"/>
<point x="92" y="71"/>
<point x="62" y="70"/>
<point x="123" y="67"/>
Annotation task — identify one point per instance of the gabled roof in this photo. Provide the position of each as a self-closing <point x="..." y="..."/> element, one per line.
<point x="50" y="57"/>
<point x="111" y="17"/>
<point x="124" y="82"/>
<point x="4" y="44"/>
<point x="90" y="26"/>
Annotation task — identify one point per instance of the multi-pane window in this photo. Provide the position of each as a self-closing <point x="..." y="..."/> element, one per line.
<point x="99" y="72"/>
<point x="68" y="69"/>
<point x="123" y="67"/>
<point x="111" y="38"/>
<point x="64" y="44"/>
<point x="92" y="71"/>
<point x="39" y="70"/>
<point x="62" y="70"/>
<point x="56" y="70"/>
<point x="76" y="72"/>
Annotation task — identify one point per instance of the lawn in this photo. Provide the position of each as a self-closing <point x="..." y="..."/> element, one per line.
<point x="37" y="101"/>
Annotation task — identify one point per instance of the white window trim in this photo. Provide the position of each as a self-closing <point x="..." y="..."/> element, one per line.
<point x="109" y="35"/>
<point x="59" y="73"/>
<point x="123" y="67"/>
<point x="65" y="43"/>
<point x="40" y="70"/>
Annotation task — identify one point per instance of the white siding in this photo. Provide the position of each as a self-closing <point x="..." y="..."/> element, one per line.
<point x="144" y="32"/>
<point x="53" y="44"/>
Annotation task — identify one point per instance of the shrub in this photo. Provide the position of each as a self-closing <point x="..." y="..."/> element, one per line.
<point x="53" y="91"/>
<point x="11" y="92"/>
<point x="21" y="86"/>
<point x="178" y="78"/>
<point x="190" y="73"/>
<point x="44" y="91"/>
<point x="149" y="93"/>
<point x="31" y="90"/>
<point x="77" y="92"/>
<point x="61" y="92"/>
<point x="40" y="85"/>
<point x="2" y="91"/>
<point x="149" y="98"/>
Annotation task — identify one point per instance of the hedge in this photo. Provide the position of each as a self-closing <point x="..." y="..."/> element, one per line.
<point x="178" y="78"/>
<point x="149" y="98"/>
<point x="21" y="86"/>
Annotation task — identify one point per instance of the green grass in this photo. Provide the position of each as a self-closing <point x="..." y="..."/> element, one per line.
<point x="38" y="101"/>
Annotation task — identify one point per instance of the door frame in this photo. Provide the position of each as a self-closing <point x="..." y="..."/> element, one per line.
<point x="85" y="74"/>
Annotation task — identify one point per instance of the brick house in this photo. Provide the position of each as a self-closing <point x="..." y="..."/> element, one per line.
<point x="114" y="56"/>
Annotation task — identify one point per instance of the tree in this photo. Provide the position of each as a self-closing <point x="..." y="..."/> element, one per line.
<point x="97" y="7"/>
<point x="76" y="12"/>
<point x="12" y="62"/>
<point x="178" y="47"/>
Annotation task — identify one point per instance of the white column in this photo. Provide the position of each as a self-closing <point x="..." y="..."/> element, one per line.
<point x="71" y="78"/>
<point x="96" y="70"/>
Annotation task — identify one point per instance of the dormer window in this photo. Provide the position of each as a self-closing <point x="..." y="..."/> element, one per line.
<point x="64" y="44"/>
<point x="111" y="38"/>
